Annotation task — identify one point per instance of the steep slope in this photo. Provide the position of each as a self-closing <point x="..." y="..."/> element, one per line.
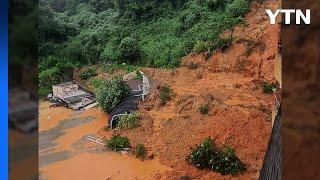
<point x="230" y="82"/>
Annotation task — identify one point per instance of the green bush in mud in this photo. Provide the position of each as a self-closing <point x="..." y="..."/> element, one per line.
<point x="204" y="109"/>
<point x="140" y="151"/>
<point x="129" y="121"/>
<point x="166" y="94"/>
<point x="111" y="93"/>
<point x="208" y="156"/>
<point x="268" y="87"/>
<point x="201" y="46"/>
<point x="117" y="142"/>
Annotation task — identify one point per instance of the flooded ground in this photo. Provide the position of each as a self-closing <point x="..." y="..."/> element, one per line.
<point x="65" y="153"/>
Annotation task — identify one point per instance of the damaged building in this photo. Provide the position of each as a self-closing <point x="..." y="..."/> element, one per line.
<point x="71" y="94"/>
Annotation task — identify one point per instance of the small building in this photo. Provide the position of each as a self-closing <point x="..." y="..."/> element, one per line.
<point x="71" y="94"/>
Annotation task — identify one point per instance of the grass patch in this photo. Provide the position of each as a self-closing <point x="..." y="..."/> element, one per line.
<point x="118" y="142"/>
<point x="208" y="156"/>
<point x="140" y="151"/>
<point x="96" y="82"/>
<point x="129" y="121"/>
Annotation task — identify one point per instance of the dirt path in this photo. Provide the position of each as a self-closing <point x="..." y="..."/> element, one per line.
<point x="64" y="152"/>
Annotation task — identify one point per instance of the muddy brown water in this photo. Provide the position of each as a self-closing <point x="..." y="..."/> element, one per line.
<point x="64" y="152"/>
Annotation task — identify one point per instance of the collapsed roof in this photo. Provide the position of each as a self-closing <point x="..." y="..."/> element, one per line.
<point x="70" y="93"/>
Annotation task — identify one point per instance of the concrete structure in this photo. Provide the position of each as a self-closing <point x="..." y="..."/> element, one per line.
<point x="71" y="94"/>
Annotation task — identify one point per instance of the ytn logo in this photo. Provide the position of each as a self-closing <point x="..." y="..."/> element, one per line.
<point x="287" y="15"/>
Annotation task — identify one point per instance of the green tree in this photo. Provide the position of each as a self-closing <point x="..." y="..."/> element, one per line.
<point x="112" y="93"/>
<point x="129" y="50"/>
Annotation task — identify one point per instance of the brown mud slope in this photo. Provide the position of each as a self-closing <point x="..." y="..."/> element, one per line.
<point x="230" y="82"/>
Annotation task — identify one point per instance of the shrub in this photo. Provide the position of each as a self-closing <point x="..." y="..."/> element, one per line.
<point x="111" y="53"/>
<point x="166" y="94"/>
<point x="44" y="91"/>
<point x="111" y="68"/>
<point x="268" y="87"/>
<point x="229" y="163"/>
<point x="202" y="154"/>
<point x="111" y="93"/>
<point x="204" y="109"/>
<point x="87" y="73"/>
<point x="118" y="142"/>
<point x="129" y="121"/>
<point x="129" y="49"/>
<point x="238" y="8"/>
<point x="201" y="46"/>
<point x="96" y="82"/>
<point x="208" y="155"/>
<point x="215" y="4"/>
<point x="192" y="65"/>
<point x="140" y="151"/>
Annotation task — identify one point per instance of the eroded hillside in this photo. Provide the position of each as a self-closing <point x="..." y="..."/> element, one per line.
<point x="230" y="82"/>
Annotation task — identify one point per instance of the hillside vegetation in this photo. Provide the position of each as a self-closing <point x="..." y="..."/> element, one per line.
<point x="156" y="33"/>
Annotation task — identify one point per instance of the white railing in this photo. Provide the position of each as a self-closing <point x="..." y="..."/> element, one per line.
<point x="118" y="115"/>
<point x="95" y="140"/>
<point x="144" y="87"/>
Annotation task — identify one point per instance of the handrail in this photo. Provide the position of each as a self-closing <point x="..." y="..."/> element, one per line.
<point x="115" y="117"/>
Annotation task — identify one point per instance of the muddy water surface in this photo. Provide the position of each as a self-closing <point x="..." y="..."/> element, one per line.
<point x="65" y="153"/>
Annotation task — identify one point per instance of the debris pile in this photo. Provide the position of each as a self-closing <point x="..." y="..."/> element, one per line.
<point x="72" y="95"/>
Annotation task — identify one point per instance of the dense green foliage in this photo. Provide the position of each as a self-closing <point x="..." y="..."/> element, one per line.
<point x="140" y="151"/>
<point x="208" y="155"/>
<point x="87" y="73"/>
<point x="111" y="68"/>
<point x="129" y="121"/>
<point x="147" y="32"/>
<point x="117" y="142"/>
<point x="111" y="93"/>
<point x="96" y="82"/>
<point x="165" y="94"/>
